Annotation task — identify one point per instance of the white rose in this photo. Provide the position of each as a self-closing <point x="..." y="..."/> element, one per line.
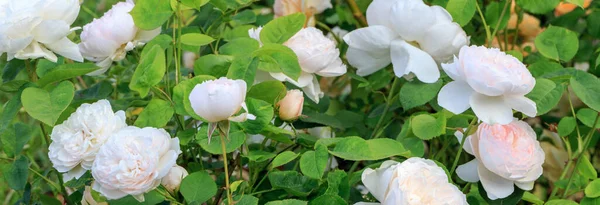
<point x="133" y="162"/>
<point x="415" y="181"/>
<point x="110" y="37"/>
<point x="31" y="29"/>
<point x="317" y="55"/>
<point x="218" y="100"/>
<point x="409" y="34"/>
<point x="337" y="31"/>
<point x="76" y="141"/>
<point x="490" y="82"/>
<point x="504" y="155"/>
<point x="308" y="7"/>
<point x="174" y="178"/>
<point x="290" y="107"/>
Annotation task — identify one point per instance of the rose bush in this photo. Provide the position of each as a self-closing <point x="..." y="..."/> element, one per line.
<point x="203" y="102"/>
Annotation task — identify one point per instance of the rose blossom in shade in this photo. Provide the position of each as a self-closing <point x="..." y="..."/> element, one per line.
<point x="133" y="162"/>
<point x="219" y="100"/>
<point x="505" y="155"/>
<point x="317" y="55"/>
<point x="409" y="34"/>
<point x="110" y="37"/>
<point x="308" y="7"/>
<point x="415" y="181"/>
<point x="490" y="82"/>
<point x="173" y="179"/>
<point x="76" y="141"/>
<point x="31" y="29"/>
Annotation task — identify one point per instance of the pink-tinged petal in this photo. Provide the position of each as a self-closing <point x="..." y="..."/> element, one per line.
<point x="521" y="104"/>
<point x="455" y="97"/>
<point x="491" y="110"/>
<point x="409" y="59"/>
<point x="495" y="186"/>
<point x="468" y="171"/>
<point x="337" y="68"/>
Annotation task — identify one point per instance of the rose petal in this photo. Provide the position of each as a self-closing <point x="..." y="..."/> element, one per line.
<point x="455" y="97"/>
<point x="468" y="171"/>
<point x="495" y="186"/>
<point x="521" y="104"/>
<point x="491" y="110"/>
<point x="406" y="59"/>
<point x="365" y="63"/>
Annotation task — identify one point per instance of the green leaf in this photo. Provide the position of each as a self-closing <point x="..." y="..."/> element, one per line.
<point x="236" y="139"/>
<point x="15" y="174"/>
<point x="566" y="126"/>
<point x="357" y="149"/>
<point x="546" y="95"/>
<point x="542" y="67"/>
<point x="14" y="139"/>
<point x="149" y="72"/>
<point x="259" y="156"/>
<point x="244" y="17"/>
<point x="268" y="91"/>
<point x="48" y="106"/>
<point x="263" y="112"/>
<point x="328" y="199"/>
<point x="286" y="59"/>
<point x="410" y="141"/>
<point x="283" y="28"/>
<point x="239" y="47"/>
<point x="243" y="68"/>
<point x="293" y="183"/>
<point x="590" y="201"/>
<point x="11" y="69"/>
<point x="427" y="127"/>
<point x="66" y="71"/>
<point x="588" y="117"/>
<point x="197" y="4"/>
<point x="314" y="163"/>
<point x="560" y="202"/>
<point x="593" y="24"/>
<point x="181" y="95"/>
<point x="196" y="39"/>
<point x="283" y="158"/>
<point x="151" y="14"/>
<point x="44" y="66"/>
<point x="321" y="118"/>
<point x="586" y="169"/>
<point x="10" y="110"/>
<point x="417" y="93"/>
<point x="493" y="11"/>
<point x="557" y="43"/>
<point x="338" y="184"/>
<point x="593" y="189"/>
<point x="538" y="6"/>
<point x="163" y="40"/>
<point x="150" y="198"/>
<point x="156" y="114"/>
<point x="531" y="198"/>
<point x="287" y="202"/>
<point x="198" y="187"/>
<point x="243" y="200"/>
<point x="462" y="11"/>
<point x="587" y="87"/>
<point x="213" y="65"/>
<point x="101" y="90"/>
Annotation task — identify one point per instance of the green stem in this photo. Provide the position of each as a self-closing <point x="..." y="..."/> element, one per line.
<point x="485" y="26"/>
<point x="462" y="143"/>
<point x="386" y="109"/>
<point x="588" y="139"/>
<point x="358" y="15"/>
<point x="178" y="60"/>
<point x="498" y="23"/>
<point x="62" y="188"/>
<point x="225" y="165"/>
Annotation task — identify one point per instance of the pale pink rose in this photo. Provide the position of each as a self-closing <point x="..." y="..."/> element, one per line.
<point x="308" y="7"/>
<point x="490" y="82"/>
<point x="219" y="100"/>
<point x="290" y="107"/>
<point x="414" y="181"/>
<point x="504" y="155"/>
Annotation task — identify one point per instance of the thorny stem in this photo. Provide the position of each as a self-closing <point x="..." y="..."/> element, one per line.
<point x="462" y="143"/>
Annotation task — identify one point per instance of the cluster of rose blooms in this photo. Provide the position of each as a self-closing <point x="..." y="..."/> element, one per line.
<point x="414" y="37"/>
